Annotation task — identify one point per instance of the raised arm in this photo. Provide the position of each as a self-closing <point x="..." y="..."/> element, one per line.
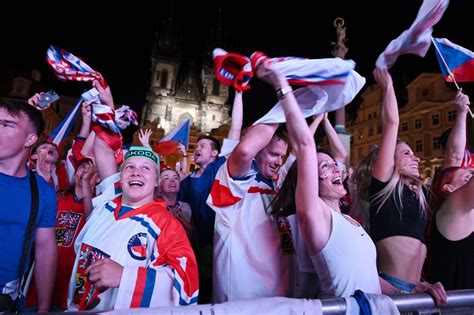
<point x="385" y="161"/>
<point x="285" y="168"/>
<point x="316" y="122"/>
<point x="182" y="168"/>
<point x="103" y="154"/>
<point x="311" y="211"/>
<point x="336" y="146"/>
<point x="86" y="120"/>
<point x="256" y="138"/>
<point x="105" y="95"/>
<point x="144" y="136"/>
<point x="105" y="159"/>
<point x="457" y="137"/>
<point x="237" y="117"/>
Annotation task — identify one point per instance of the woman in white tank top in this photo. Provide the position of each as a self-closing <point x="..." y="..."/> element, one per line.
<point x="343" y="254"/>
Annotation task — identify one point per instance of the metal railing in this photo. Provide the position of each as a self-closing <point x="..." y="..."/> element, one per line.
<point x="459" y="302"/>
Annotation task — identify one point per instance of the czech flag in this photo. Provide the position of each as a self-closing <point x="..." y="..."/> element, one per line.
<point x="457" y="59"/>
<point x="179" y="134"/>
<point x="62" y="130"/>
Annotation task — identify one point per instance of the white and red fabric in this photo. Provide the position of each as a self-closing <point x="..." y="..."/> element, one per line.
<point x="232" y="69"/>
<point x="107" y="122"/>
<point x="103" y="125"/>
<point x="328" y="84"/>
<point x="417" y="39"/>
<point x="66" y="66"/>
<point x="124" y="116"/>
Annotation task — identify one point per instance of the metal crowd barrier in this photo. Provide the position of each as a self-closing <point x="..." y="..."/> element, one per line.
<point x="459" y="302"/>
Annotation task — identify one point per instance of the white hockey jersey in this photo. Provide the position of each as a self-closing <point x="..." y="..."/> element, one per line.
<point x="254" y="255"/>
<point x="159" y="264"/>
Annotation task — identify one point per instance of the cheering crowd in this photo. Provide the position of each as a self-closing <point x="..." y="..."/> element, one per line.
<point x="262" y="215"/>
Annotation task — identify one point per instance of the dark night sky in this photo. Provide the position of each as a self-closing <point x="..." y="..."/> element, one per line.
<point x="119" y="45"/>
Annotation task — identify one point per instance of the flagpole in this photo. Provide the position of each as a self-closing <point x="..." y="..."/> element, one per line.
<point x="449" y="70"/>
<point x="444" y="62"/>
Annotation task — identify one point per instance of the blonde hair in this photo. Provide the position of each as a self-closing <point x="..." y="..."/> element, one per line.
<point x="394" y="187"/>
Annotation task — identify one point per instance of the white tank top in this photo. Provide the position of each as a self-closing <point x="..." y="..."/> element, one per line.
<point x="348" y="260"/>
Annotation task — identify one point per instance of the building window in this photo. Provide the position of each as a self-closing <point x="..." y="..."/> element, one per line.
<point x="164" y="79"/>
<point x="159" y="121"/>
<point x="451" y="115"/>
<point x="418" y="123"/>
<point x="418" y="145"/>
<point x="379" y="129"/>
<point x="375" y="115"/>
<point x="168" y="113"/>
<point x="213" y="117"/>
<point x="361" y="133"/>
<point x="215" y="87"/>
<point x="436" y="144"/>
<point x="404" y="126"/>
<point x="435" y="120"/>
<point x="370" y="116"/>
<point x="371" y="131"/>
<point x="157" y="78"/>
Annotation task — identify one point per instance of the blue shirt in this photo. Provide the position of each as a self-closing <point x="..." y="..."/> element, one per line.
<point x="195" y="190"/>
<point x="15" y="207"/>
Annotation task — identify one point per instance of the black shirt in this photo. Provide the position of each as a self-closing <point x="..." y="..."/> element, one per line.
<point x="452" y="261"/>
<point x="391" y="220"/>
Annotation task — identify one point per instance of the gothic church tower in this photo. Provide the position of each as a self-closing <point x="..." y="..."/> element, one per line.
<point x="181" y="89"/>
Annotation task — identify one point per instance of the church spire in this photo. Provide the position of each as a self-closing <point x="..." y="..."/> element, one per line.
<point x="217" y="38"/>
<point x="168" y="37"/>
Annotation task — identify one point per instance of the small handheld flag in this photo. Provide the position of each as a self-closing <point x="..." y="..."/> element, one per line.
<point x="64" y="128"/>
<point x="456" y="62"/>
<point x="179" y="134"/>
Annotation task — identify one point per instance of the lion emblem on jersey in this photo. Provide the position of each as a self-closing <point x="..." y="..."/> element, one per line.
<point x="137" y="246"/>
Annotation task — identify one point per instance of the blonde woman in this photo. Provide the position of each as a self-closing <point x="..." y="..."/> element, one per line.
<point x="397" y="204"/>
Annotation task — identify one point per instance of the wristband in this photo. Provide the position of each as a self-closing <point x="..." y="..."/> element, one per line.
<point x="282" y="92"/>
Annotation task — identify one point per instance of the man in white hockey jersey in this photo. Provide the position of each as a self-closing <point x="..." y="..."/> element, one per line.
<point x="131" y="252"/>
<point x="257" y="254"/>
